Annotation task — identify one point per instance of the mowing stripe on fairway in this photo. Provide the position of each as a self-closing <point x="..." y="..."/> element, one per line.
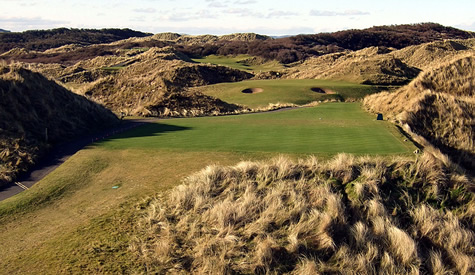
<point x="326" y="129"/>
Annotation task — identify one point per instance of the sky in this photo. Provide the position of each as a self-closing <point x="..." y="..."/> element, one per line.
<point x="270" y="17"/>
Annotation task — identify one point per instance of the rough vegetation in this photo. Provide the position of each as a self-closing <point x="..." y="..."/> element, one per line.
<point x="40" y="40"/>
<point x="200" y="39"/>
<point x="380" y="65"/>
<point x="300" y="47"/>
<point x="369" y="66"/>
<point x="31" y="104"/>
<point x="347" y="216"/>
<point x="285" y="50"/>
<point x="155" y="84"/>
<point x="439" y="107"/>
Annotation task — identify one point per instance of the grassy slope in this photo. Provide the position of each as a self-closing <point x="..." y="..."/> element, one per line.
<point x="439" y="106"/>
<point x="238" y="62"/>
<point x="74" y="221"/>
<point x="30" y="104"/>
<point x="285" y="91"/>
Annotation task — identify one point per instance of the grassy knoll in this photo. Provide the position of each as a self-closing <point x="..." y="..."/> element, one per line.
<point x="324" y="130"/>
<point x="240" y="62"/>
<point x="296" y="91"/>
<point x="75" y="221"/>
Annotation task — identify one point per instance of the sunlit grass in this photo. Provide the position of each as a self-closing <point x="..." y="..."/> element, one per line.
<point x="295" y="91"/>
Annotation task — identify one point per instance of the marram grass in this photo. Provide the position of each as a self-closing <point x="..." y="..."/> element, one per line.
<point x="348" y="216"/>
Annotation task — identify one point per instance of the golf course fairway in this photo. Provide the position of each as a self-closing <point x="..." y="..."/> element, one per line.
<point x="327" y="129"/>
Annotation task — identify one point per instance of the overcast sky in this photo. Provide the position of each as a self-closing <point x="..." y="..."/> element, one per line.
<point x="271" y="17"/>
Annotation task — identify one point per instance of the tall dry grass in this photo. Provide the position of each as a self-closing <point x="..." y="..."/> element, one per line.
<point x="349" y="215"/>
<point x="29" y="105"/>
<point x="437" y="106"/>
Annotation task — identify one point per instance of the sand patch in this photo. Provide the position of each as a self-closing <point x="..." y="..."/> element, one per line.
<point x="252" y="90"/>
<point x="322" y="91"/>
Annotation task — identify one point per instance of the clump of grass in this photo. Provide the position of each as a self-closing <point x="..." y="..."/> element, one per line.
<point x="347" y="215"/>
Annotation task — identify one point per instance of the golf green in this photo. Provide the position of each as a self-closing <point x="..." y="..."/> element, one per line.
<point x="326" y="129"/>
<point x="295" y="91"/>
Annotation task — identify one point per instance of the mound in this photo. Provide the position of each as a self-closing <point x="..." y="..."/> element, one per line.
<point x="366" y="66"/>
<point x="345" y="216"/>
<point x="142" y="88"/>
<point x="31" y="104"/>
<point x="166" y="36"/>
<point x="382" y="66"/>
<point x="427" y="55"/>
<point x="41" y="40"/>
<point x="252" y="90"/>
<point x="438" y="106"/>
<point x="243" y="37"/>
<point x="186" y="105"/>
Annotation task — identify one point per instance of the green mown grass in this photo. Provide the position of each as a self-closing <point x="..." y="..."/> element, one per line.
<point x="296" y="91"/>
<point x="323" y="130"/>
<point x="235" y="62"/>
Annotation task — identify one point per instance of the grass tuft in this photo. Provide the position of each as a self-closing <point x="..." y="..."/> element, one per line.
<point x="301" y="216"/>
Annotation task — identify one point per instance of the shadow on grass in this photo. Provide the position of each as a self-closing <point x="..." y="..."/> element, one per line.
<point x="61" y="152"/>
<point x="147" y="129"/>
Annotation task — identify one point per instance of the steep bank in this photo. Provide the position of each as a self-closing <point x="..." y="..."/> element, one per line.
<point x="36" y="113"/>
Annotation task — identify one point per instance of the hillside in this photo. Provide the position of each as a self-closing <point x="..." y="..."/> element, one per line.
<point x="155" y="83"/>
<point x="262" y="193"/>
<point x="345" y="216"/>
<point x="31" y="104"/>
<point x="438" y="106"/>
<point x="368" y="66"/>
<point x="301" y="47"/>
<point x="41" y="40"/>
<point x="201" y="39"/>
<point x="135" y="81"/>
<point x="380" y="65"/>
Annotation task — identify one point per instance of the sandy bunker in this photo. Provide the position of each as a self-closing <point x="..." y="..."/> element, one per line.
<point x="322" y="91"/>
<point x="252" y="90"/>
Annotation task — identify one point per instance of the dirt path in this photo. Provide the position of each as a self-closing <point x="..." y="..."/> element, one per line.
<point x="59" y="154"/>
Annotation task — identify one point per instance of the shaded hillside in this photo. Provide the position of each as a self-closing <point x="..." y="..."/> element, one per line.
<point x="40" y="40"/>
<point x="36" y="113"/>
<point x="300" y="47"/>
<point x="439" y="106"/>
<point x="345" y="216"/>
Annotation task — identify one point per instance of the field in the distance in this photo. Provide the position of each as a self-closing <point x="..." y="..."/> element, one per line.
<point x="241" y="62"/>
<point x="295" y="91"/>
